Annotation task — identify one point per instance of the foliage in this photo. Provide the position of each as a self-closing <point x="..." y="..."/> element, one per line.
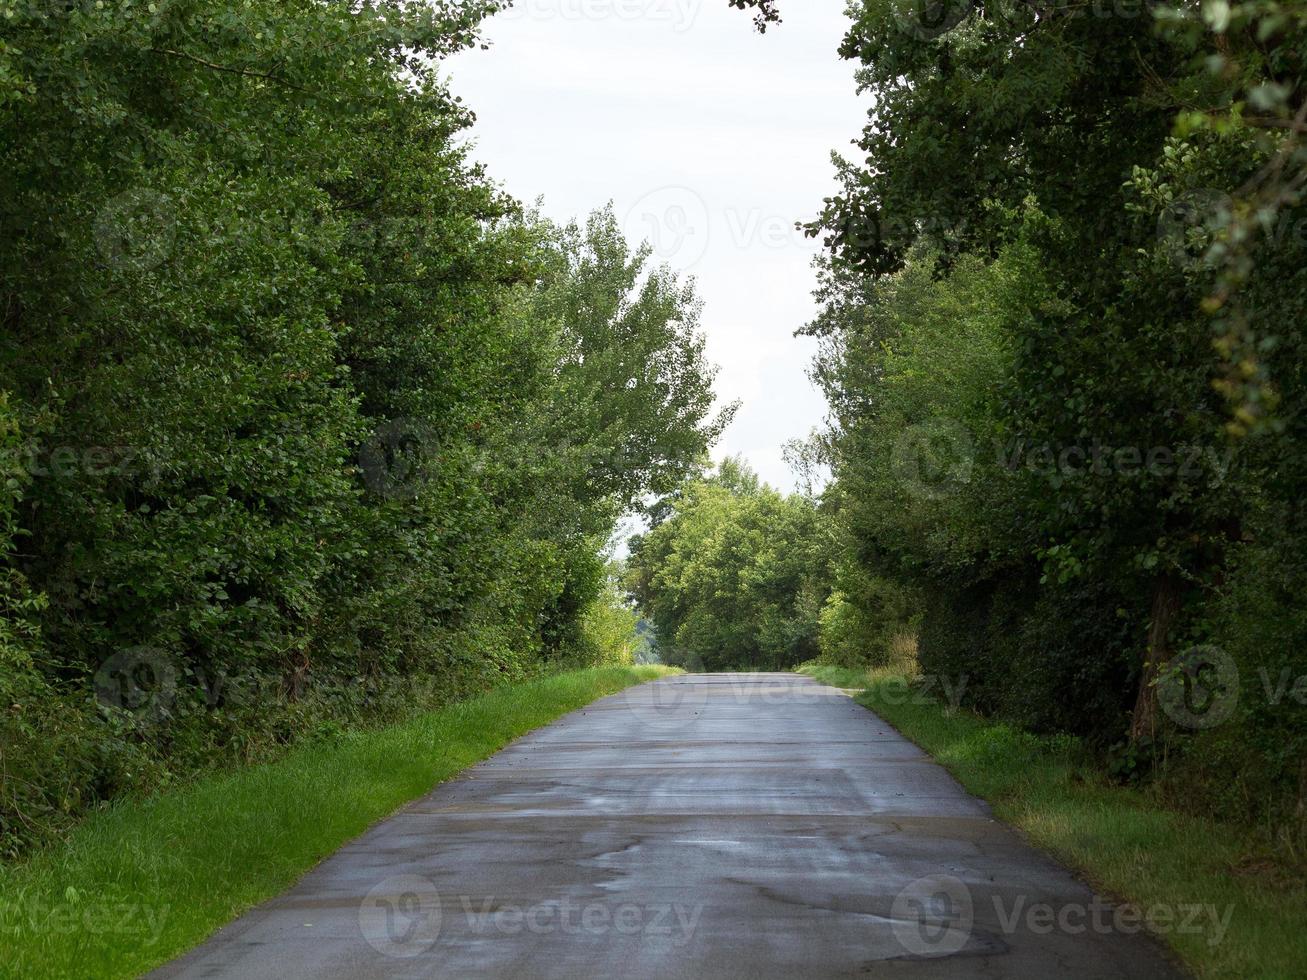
<point x="610" y="627"/>
<point x="1061" y="340"/>
<point x="734" y="577"/>
<point x="308" y="424"/>
<point x="767" y="12"/>
<point x="869" y="629"/>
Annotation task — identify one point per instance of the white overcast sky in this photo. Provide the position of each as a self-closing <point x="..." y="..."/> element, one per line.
<point x="710" y="140"/>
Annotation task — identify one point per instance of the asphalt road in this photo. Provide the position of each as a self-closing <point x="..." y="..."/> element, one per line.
<point x="755" y="826"/>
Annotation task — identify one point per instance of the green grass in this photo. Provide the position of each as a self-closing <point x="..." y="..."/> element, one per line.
<point x="145" y="880"/>
<point x="1119" y="838"/>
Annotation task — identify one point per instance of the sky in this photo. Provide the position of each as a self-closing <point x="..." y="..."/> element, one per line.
<point x="710" y="140"/>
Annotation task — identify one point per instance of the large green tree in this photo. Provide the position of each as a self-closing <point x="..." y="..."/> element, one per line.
<point x="734" y="578"/>
<point x="300" y="407"/>
<point x="1107" y="203"/>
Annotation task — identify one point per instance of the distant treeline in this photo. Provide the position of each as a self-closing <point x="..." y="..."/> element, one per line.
<point x="733" y="573"/>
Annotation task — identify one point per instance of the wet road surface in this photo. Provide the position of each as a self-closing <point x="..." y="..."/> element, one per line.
<point x="711" y="825"/>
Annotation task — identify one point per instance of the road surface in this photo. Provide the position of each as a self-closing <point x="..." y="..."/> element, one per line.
<point x="746" y="825"/>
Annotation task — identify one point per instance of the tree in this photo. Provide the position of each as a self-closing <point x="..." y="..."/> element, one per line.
<point x="305" y="421"/>
<point x="734" y="578"/>
<point x="1112" y="183"/>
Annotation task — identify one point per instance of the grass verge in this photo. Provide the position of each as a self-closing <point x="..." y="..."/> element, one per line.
<point x="1117" y="837"/>
<point x="143" y="881"/>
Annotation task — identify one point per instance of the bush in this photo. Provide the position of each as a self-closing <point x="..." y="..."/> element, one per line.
<point x="609" y="634"/>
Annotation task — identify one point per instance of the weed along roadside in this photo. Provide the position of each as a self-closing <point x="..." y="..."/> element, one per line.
<point x="145" y="880"/>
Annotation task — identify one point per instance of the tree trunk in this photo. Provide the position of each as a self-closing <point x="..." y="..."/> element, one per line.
<point x="1166" y="606"/>
<point x="1302" y="791"/>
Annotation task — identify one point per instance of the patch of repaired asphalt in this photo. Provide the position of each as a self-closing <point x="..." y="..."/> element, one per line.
<point x="702" y="826"/>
